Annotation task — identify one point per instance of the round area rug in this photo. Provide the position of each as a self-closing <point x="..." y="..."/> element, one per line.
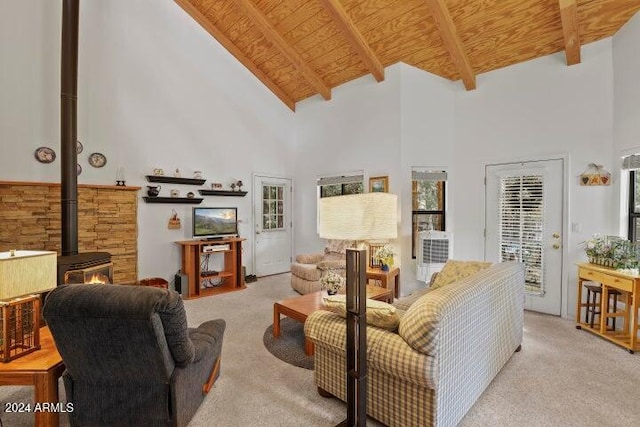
<point x="289" y="347"/>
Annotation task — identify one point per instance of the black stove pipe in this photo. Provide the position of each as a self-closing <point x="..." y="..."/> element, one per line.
<point x="68" y="127"/>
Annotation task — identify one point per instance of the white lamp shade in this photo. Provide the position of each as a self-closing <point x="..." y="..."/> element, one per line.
<point x="26" y="273"/>
<point x="358" y="217"/>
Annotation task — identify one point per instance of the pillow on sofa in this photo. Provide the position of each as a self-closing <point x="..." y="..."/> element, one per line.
<point x="456" y="270"/>
<point x="379" y="313"/>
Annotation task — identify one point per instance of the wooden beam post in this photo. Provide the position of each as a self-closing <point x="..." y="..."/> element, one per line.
<point x="452" y="41"/>
<point x="233" y="49"/>
<point x="272" y="35"/>
<point x="569" y="18"/>
<point x="355" y="39"/>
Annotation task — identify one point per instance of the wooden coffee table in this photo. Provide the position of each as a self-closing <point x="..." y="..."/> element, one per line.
<point x="42" y="368"/>
<point x="299" y="308"/>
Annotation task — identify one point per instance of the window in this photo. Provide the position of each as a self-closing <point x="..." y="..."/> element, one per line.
<point x="522" y="226"/>
<point x="272" y="207"/>
<point x="632" y="164"/>
<point x="634" y="206"/>
<point x="428" y="189"/>
<point x="340" y="185"/>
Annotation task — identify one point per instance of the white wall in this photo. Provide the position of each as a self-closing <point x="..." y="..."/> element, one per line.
<point x="427" y="135"/>
<point x="155" y="90"/>
<point x="626" y="66"/>
<point x="537" y="109"/>
<point x="358" y="129"/>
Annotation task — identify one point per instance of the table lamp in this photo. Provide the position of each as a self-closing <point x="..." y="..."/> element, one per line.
<point x="357" y="217"/>
<point x="23" y="275"/>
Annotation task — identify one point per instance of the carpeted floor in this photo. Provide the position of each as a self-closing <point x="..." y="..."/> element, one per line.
<point x="562" y="377"/>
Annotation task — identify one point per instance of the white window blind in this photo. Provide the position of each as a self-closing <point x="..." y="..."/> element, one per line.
<point x="521" y="226"/>
<point x="631" y="162"/>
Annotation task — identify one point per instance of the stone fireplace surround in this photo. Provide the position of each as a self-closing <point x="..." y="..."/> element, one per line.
<point x="107" y="221"/>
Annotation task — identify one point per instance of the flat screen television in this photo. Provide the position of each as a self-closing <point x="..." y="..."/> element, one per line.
<point x="215" y="223"/>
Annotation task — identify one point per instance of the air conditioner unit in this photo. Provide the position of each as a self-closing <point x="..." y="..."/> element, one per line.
<point x="434" y="249"/>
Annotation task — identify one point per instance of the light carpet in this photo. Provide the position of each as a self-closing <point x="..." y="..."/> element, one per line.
<point x="562" y="377"/>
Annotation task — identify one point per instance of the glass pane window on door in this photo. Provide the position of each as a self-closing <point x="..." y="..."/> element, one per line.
<point x="521" y="226"/>
<point x="272" y="207"/>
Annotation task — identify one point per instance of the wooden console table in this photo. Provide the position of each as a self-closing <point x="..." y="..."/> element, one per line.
<point x="385" y="278"/>
<point x="611" y="279"/>
<point x="41" y="369"/>
<point x="231" y="275"/>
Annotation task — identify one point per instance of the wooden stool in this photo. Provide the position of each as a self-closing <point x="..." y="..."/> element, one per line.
<point x="594" y="296"/>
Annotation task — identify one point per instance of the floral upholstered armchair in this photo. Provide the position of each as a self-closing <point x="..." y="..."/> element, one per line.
<point x="309" y="268"/>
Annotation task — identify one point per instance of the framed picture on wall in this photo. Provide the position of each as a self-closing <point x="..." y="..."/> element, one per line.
<point x="379" y="184"/>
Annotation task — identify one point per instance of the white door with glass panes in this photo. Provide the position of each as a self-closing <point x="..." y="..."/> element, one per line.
<point x="523" y="222"/>
<point x="272" y="225"/>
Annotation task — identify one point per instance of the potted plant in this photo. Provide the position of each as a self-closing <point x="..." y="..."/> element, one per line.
<point x="384" y="255"/>
<point x="332" y="282"/>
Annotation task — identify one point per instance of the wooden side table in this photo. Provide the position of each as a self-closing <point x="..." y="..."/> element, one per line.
<point x="611" y="280"/>
<point x="42" y="368"/>
<point x="385" y="278"/>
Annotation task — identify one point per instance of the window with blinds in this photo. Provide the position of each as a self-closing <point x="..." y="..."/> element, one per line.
<point x="521" y="226"/>
<point x="341" y="185"/>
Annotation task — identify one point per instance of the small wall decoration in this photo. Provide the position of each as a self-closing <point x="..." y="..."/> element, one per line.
<point x="79" y="147"/>
<point x="45" y="155"/>
<point x="174" y="221"/>
<point x="97" y="160"/>
<point x="595" y="175"/>
<point x="379" y="184"/>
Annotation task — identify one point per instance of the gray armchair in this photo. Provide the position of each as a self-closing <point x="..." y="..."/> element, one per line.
<point x="130" y="358"/>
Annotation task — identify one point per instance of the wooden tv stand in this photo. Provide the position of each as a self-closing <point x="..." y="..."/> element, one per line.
<point x="231" y="276"/>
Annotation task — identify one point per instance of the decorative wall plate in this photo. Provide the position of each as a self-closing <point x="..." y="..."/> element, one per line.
<point x="79" y="147"/>
<point x="45" y="155"/>
<point x="97" y="160"/>
<point x="79" y="169"/>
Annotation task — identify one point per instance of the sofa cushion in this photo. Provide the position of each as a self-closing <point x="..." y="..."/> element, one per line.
<point x="379" y="313"/>
<point x="305" y="271"/>
<point x="420" y="325"/>
<point x="455" y="270"/>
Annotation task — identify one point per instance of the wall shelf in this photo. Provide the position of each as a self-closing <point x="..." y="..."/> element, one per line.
<point x="222" y="193"/>
<point x="175" y="180"/>
<point x="193" y="201"/>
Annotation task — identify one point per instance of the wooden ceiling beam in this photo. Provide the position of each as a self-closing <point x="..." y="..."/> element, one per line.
<point x="272" y="35"/>
<point x="233" y="49"/>
<point x="355" y="39"/>
<point x="569" y="18"/>
<point x="452" y="41"/>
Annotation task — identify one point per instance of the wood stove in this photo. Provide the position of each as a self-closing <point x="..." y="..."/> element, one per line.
<point x="73" y="267"/>
<point x="88" y="267"/>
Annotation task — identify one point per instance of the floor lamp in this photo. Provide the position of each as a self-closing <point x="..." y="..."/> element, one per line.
<point x="357" y="217"/>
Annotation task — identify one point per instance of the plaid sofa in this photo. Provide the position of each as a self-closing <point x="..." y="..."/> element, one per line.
<point x="450" y="344"/>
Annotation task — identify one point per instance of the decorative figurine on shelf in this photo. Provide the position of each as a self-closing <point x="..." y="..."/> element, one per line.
<point x="177" y="173"/>
<point x="197" y="174"/>
<point x="239" y="184"/>
<point x="153" y="190"/>
<point x="233" y="186"/>
<point x="120" y="181"/>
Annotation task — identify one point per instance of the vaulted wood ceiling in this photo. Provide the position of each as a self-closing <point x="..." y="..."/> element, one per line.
<point x="299" y="48"/>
